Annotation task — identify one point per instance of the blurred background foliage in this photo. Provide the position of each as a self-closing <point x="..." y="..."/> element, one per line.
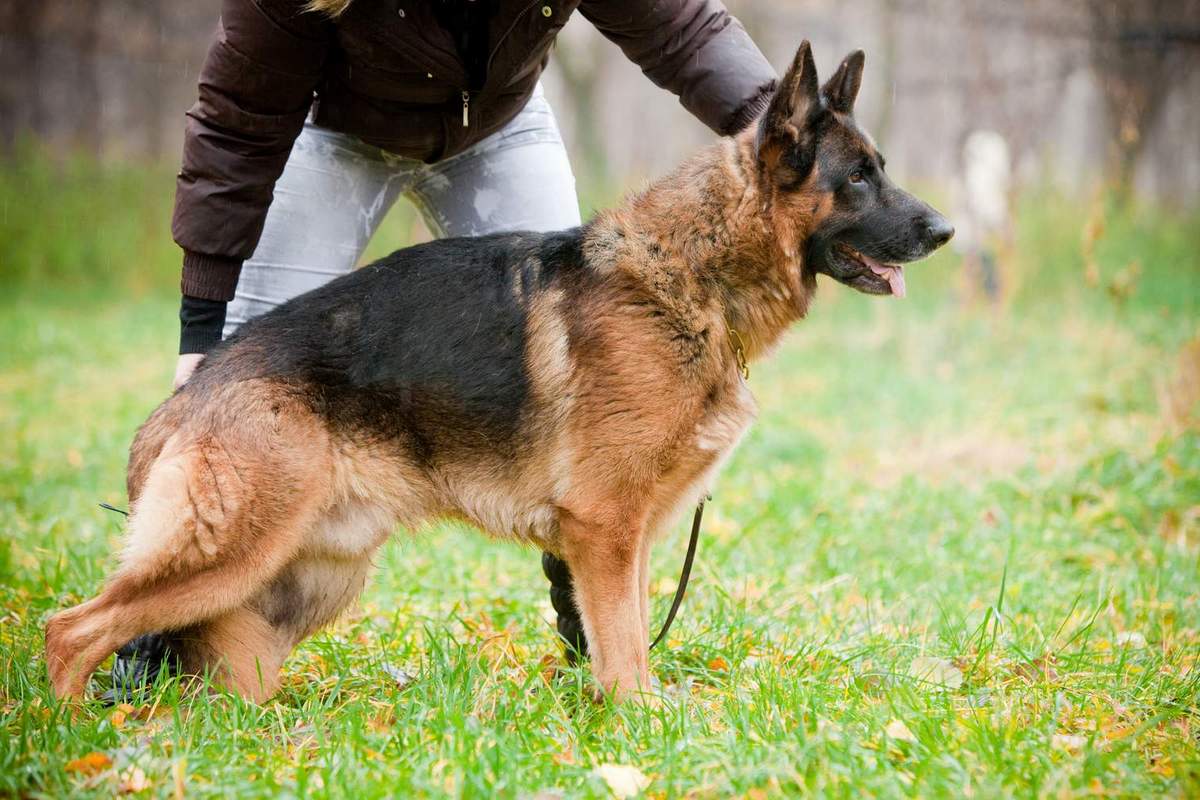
<point x="1094" y="101"/>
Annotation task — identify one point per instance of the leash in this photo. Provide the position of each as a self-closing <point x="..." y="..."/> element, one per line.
<point x="570" y="626"/>
<point x="685" y="574"/>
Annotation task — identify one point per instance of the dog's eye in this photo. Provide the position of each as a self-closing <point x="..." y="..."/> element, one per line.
<point x="857" y="176"/>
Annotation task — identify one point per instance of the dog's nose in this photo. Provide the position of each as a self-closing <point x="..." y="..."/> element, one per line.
<point x="938" y="230"/>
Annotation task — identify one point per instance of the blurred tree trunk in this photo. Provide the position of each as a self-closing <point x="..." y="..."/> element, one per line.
<point x="84" y="22"/>
<point x="20" y="60"/>
<point x="888" y="36"/>
<point x="1130" y="51"/>
<point x="48" y="82"/>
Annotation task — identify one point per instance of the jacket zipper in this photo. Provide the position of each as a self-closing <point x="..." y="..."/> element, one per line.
<point x="466" y="95"/>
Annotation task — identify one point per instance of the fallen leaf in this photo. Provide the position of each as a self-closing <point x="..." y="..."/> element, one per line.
<point x="382" y="721"/>
<point x="1070" y="742"/>
<point x="134" y="780"/>
<point x="117" y="719"/>
<point x="937" y="671"/>
<point x="899" y="731"/>
<point x="623" y="780"/>
<point x="147" y="712"/>
<point x="401" y="676"/>
<point x="718" y="664"/>
<point x="179" y="776"/>
<point x="1040" y="669"/>
<point x="1131" y="639"/>
<point x="1115" y="732"/>
<point x="548" y="668"/>
<point x="89" y="764"/>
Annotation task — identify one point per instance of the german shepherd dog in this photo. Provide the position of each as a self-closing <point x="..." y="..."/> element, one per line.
<point x="574" y="390"/>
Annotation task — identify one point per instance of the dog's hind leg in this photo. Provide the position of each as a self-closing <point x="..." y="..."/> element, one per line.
<point x="239" y="649"/>
<point x="216" y="520"/>
<point x="244" y="649"/>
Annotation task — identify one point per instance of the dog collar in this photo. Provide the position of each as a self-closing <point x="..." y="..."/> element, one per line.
<point x="739" y="352"/>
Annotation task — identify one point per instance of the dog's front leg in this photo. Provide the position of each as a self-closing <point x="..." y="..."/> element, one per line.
<point x="605" y="566"/>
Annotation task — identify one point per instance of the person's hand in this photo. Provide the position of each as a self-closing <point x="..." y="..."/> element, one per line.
<point x="185" y="366"/>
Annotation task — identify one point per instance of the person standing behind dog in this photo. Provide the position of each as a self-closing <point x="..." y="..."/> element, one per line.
<point x="314" y="117"/>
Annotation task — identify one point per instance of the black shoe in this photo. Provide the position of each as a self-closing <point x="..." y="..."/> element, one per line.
<point x="137" y="666"/>
<point x="570" y="626"/>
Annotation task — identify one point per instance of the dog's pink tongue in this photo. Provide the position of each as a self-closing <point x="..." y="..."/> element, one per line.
<point x="894" y="275"/>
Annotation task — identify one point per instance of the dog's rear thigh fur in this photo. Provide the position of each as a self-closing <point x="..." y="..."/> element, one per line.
<point x="217" y="518"/>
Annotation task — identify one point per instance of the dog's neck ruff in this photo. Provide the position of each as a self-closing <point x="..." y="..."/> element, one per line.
<point x="711" y="248"/>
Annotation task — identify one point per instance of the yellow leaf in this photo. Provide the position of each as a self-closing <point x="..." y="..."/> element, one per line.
<point x="623" y="780"/>
<point x="937" y="671"/>
<point x="1118" y="732"/>
<point x="718" y="664"/>
<point x="89" y="764"/>
<point x="178" y="776"/>
<point x="117" y="718"/>
<point x="899" y="731"/>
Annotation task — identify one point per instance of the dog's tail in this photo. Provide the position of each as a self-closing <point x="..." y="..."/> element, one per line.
<point x="149" y="441"/>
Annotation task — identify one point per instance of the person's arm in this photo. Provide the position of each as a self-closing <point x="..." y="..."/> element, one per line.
<point x="695" y="49"/>
<point x="256" y="87"/>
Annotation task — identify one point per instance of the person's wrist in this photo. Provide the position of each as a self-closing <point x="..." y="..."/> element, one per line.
<point x="193" y="341"/>
<point x="201" y="323"/>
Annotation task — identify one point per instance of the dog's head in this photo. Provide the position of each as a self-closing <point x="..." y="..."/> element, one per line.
<point x="826" y="176"/>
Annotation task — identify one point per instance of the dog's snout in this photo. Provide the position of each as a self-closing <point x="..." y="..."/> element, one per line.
<point x="938" y="230"/>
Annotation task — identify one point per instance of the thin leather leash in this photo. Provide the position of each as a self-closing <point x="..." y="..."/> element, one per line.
<point x="743" y="368"/>
<point x="683" y="576"/>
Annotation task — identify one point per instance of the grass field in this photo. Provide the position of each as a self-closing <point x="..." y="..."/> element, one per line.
<point x="959" y="554"/>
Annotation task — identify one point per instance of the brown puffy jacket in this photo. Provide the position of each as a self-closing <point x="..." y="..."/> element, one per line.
<point x="387" y="72"/>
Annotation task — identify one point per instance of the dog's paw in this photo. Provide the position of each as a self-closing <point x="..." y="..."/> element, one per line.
<point x="137" y="666"/>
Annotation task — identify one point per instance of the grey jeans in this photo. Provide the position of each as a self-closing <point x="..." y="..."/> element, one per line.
<point x="335" y="190"/>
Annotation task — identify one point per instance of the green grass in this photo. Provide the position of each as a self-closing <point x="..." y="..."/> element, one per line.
<point x="958" y="554"/>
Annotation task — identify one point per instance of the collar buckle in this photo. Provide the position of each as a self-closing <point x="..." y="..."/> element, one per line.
<point x="739" y="353"/>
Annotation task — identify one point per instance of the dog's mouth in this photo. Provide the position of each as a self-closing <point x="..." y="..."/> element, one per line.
<point x="866" y="274"/>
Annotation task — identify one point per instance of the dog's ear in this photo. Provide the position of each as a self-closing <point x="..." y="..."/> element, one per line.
<point x="841" y="90"/>
<point x="786" y="147"/>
